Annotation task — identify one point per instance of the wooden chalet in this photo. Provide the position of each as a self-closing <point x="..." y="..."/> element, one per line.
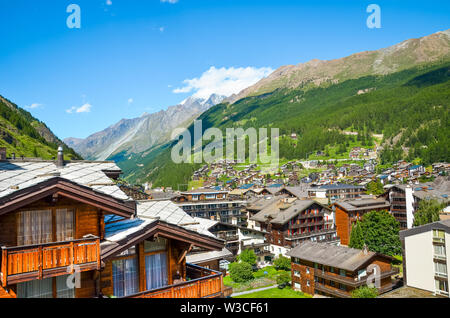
<point x="335" y="271"/>
<point x="289" y="221"/>
<point x="347" y="212"/>
<point x="62" y="230"/>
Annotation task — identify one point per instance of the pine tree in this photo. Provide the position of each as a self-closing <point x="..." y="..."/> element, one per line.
<point x="356" y="236"/>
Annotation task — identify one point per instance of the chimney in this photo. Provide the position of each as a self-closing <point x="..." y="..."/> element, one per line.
<point x="60" y="158"/>
<point x="3" y="153"/>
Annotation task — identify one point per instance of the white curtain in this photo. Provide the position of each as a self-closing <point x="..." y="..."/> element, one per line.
<point x="35" y="289"/>
<point x="62" y="289"/>
<point x="156" y="270"/>
<point x="64" y="225"/>
<point x="125" y="277"/>
<point x="34" y="227"/>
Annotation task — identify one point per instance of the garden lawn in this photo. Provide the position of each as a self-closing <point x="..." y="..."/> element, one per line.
<point x="276" y="293"/>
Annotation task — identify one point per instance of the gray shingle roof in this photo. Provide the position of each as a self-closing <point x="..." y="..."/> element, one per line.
<point x="363" y="204"/>
<point x="331" y="255"/>
<point x="281" y="216"/>
<point x="207" y="256"/>
<point x="169" y="212"/>
<point x="18" y="174"/>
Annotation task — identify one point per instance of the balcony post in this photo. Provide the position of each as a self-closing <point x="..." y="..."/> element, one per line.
<point x="71" y="256"/>
<point x="41" y="260"/>
<point x="99" y="262"/>
<point x="4" y="270"/>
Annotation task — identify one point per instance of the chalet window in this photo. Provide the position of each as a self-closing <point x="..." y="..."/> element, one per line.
<point x="307" y="270"/>
<point x="64" y="225"/>
<point x="439" y="250"/>
<point x="62" y="288"/>
<point x="297" y="273"/>
<point x="156" y="270"/>
<point x="441" y="286"/>
<point x="125" y="277"/>
<point x="34" y="227"/>
<point x="440" y="269"/>
<point x="38" y="288"/>
<point x="44" y="288"/>
<point x="342" y="287"/>
<point x="342" y="272"/>
<point x="307" y="283"/>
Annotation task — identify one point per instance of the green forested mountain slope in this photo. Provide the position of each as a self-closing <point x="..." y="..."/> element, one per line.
<point x="410" y="108"/>
<point x="26" y="136"/>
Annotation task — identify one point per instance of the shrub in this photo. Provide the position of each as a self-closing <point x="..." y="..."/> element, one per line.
<point x="240" y="272"/>
<point x="365" y="292"/>
<point x="247" y="256"/>
<point x="283" y="279"/>
<point x="282" y="263"/>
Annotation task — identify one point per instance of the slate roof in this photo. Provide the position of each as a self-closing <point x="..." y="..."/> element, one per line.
<point x="439" y="189"/>
<point x="341" y="257"/>
<point x="19" y="174"/>
<point x="171" y="213"/>
<point x="363" y="204"/>
<point x="260" y="203"/>
<point x="281" y="216"/>
<point x="207" y="256"/>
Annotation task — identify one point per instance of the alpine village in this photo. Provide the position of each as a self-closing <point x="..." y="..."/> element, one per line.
<point x="358" y="205"/>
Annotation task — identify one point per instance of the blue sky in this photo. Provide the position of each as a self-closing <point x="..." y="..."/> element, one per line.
<point x="129" y="56"/>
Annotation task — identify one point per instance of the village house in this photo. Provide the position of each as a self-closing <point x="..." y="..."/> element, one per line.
<point x="289" y="221"/>
<point x="335" y="271"/>
<point x="426" y="259"/>
<point x="212" y="204"/>
<point x="347" y="212"/>
<point x="404" y="198"/>
<point x="336" y="191"/>
<point x="62" y="219"/>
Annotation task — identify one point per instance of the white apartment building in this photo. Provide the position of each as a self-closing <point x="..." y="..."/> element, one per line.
<point x="426" y="260"/>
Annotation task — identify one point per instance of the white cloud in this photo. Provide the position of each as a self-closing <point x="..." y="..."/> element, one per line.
<point x="223" y="81"/>
<point x="161" y="29"/>
<point x="33" y="106"/>
<point x="169" y="1"/>
<point x="86" y="108"/>
<point x="108" y="2"/>
<point x="130" y="101"/>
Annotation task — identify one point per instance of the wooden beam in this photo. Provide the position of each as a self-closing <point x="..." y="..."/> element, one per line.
<point x="183" y="255"/>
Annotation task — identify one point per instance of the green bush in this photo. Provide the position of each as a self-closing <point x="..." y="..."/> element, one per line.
<point x="247" y="256"/>
<point x="240" y="272"/>
<point x="365" y="292"/>
<point x="284" y="278"/>
<point x="282" y="263"/>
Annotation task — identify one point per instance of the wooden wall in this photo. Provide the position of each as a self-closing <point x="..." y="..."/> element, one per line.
<point x="342" y="225"/>
<point x="88" y="219"/>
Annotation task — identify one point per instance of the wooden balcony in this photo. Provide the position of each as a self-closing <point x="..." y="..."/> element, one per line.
<point x="204" y="283"/>
<point x="352" y="282"/>
<point x="24" y="263"/>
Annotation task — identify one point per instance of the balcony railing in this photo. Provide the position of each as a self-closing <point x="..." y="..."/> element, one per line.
<point x="24" y="263"/>
<point x="352" y="282"/>
<point x="207" y="284"/>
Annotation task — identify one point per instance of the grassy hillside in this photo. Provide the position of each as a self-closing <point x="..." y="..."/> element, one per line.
<point x="26" y="136"/>
<point x="410" y="108"/>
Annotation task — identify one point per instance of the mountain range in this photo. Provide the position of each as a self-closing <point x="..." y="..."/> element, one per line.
<point x="401" y="92"/>
<point x="137" y="135"/>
